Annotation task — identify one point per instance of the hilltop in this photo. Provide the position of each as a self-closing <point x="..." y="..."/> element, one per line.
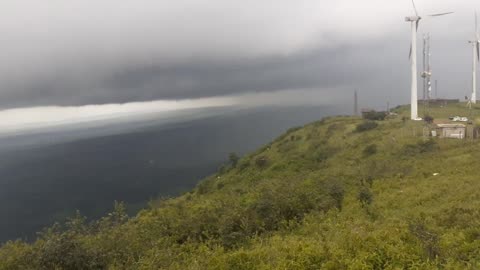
<point x="340" y="193"/>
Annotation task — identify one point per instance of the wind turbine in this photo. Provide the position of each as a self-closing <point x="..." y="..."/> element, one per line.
<point x="415" y="21"/>
<point x="476" y="57"/>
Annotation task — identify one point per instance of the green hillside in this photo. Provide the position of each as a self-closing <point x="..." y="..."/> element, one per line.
<point x="340" y="193"/>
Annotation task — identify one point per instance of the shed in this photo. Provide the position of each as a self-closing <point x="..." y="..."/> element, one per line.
<point x="456" y="131"/>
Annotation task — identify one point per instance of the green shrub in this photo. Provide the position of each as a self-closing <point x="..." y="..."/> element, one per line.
<point x="427" y="146"/>
<point x="261" y="161"/>
<point x="428" y="119"/>
<point x="459" y="217"/>
<point x="323" y="153"/>
<point x="333" y="128"/>
<point x="365" y="196"/>
<point x="64" y="251"/>
<point x="337" y="192"/>
<point x="244" y="163"/>
<point x="373" y="115"/>
<point x="366" y="125"/>
<point x="233" y="159"/>
<point x="428" y="238"/>
<point x="222" y="169"/>
<point x="420" y="147"/>
<point x="204" y="186"/>
<point x="370" y="150"/>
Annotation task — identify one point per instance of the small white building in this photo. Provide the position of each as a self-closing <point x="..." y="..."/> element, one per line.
<point x="456" y="131"/>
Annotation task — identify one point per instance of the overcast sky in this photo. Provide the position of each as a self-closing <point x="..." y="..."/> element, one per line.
<point x="82" y="52"/>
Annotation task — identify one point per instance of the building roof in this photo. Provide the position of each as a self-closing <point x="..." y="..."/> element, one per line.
<point x="451" y="125"/>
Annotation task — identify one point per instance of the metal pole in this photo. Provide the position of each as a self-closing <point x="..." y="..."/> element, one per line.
<point x="355" y="105"/>
<point x="413" y="97"/>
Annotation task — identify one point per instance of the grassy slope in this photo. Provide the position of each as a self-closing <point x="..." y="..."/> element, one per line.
<point x="282" y="207"/>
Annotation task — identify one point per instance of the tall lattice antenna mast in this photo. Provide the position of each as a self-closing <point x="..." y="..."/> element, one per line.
<point x="427" y="72"/>
<point x="355" y="103"/>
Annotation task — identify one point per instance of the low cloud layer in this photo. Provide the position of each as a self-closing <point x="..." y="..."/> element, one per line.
<point x="22" y="120"/>
<point x="82" y="52"/>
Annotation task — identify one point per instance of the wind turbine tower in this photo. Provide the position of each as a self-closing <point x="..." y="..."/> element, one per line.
<point x="476" y="57"/>
<point x="415" y="21"/>
<point x="413" y="61"/>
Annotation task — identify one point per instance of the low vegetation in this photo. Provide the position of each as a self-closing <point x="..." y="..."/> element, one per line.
<point x="340" y="193"/>
<point x="367" y="125"/>
<point x="374" y="115"/>
<point x="428" y="119"/>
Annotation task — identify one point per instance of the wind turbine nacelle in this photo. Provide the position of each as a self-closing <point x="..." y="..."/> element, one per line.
<point x="413" y="18"/>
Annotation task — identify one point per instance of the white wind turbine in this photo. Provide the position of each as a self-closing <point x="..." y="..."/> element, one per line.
<point x="476" y="57"/>
<point x="415" y="20"/>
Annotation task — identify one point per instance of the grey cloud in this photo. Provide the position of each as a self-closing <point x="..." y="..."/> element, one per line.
<point x="91" y="52"/>
<point x="312" y="69"/>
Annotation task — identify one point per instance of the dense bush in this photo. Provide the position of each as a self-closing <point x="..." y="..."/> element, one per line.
<point x="322" y="153"/>
<point x="261" y="161"/>
<point x="233" y="159"/>
<point x="63" y="250"/>
<point x="370" y="150"/>
<point x="365" y="126"/>
<point x="428" y="239"/>
<point x="428" y="146"/>
<point x="428" y="119"/>
<point x="243" y="164"/>
<point x="374" y="115"/>
<point x="365" y="196"/>
<point x="420" y="147"/>
<point x="337" y="192"/>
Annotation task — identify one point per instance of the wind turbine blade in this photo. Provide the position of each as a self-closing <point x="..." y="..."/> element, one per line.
<point x="477" y="44"/>
<point x="410" y="53"/>
<point x="414" y="7"/>
<point x="417" y="24"/>
<point x="476" y="26"/>
<point x="440" y="14"/>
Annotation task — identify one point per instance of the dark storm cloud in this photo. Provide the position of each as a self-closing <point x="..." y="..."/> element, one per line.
<point x="312" y="69"/>
<point x="93" y="52"/>
<point x="303" y="70"/>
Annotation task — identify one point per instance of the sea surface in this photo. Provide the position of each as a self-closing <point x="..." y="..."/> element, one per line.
<point x="45" y="176"/>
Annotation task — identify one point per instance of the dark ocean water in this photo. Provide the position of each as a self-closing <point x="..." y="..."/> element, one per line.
<point x="45" y="177"/>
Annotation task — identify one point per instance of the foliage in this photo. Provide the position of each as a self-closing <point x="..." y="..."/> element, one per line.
<point x="337" y="192"/>
<point x="244" y="163"/>
<point x="365" y="126"/>
<point x="365" y="196"/>
<point x="374" y="115"/>
<point x="324" y="152"/>
<point x="428" y="239"/>
<point x="233" y="159"/>
<point x="428" y="119"/>
<point x="420" y="147"/>
<point x="261" y="161"/>
<point x="370" y="150"/>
